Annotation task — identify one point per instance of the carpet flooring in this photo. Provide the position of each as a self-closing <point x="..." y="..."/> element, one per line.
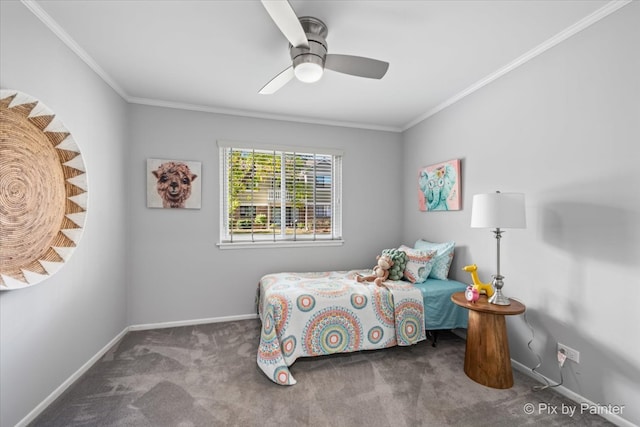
<point x="206" y="375"/>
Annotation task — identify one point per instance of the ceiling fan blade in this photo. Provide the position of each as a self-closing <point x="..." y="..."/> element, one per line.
<point x="286" y="19"/>
<point x="356" y="66"/>
<point x="277" y="82"/>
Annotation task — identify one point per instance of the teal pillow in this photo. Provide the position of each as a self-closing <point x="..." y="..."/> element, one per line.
<point x="443" y="259"/>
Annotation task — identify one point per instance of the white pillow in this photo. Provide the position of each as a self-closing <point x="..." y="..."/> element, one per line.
<point x="419" y="264"/>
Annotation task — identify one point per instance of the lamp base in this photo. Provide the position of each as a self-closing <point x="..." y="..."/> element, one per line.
<point x="498" y="299"/>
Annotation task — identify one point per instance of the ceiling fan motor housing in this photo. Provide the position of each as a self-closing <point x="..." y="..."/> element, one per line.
<point x="316" y="31"/>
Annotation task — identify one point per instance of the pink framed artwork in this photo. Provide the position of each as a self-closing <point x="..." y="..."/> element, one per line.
<point x="439" y="186"/>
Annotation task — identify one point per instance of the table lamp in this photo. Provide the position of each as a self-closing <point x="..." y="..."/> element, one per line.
<point x="498" y="210"/>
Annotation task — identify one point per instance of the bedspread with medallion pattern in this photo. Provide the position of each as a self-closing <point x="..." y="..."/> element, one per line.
<point x="313" y="314"/>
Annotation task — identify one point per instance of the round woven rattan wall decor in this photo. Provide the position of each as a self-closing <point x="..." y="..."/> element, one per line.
<point x="43" y="192"/>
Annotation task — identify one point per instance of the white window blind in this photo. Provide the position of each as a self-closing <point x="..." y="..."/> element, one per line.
<point x="279" y="194"/>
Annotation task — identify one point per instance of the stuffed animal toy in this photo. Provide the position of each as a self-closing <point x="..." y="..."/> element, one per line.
<point x="482" y="288"/>
<point x="380" y="271"/>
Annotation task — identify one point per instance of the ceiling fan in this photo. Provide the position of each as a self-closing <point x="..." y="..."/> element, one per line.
<point x="308" y="49"/>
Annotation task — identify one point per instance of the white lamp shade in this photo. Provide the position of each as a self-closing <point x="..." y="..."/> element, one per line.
<point x="498" y="210"/>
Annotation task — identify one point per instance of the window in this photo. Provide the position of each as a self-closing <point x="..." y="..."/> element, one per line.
<point x="323" y="181"/>
<point x="279" y="195"/>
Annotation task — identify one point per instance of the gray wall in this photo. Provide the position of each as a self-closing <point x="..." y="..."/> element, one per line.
<point x="48" y="331"/>
<point x="179" y="273"/>
<point x="563" y="129"/>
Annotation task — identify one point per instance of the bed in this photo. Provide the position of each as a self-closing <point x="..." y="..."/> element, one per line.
<point x="439" y="312"/>
<point x="320" y="313"/>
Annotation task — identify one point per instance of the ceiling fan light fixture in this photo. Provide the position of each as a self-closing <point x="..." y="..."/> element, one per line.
<point x="308" y="62"/>
<point x="308" y="72"/>
<point x="308" y="50"/>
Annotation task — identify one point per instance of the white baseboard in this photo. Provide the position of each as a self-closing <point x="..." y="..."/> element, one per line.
<point x="84" y="368"/>
<point x="615" y="419"/>
<point x="162" y="325"/>
<point x="63" y="387"/>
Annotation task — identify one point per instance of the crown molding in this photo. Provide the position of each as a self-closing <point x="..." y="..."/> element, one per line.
<point x="40" y="13"/>
<point x="587" y="21"/>
<point x="35" y="8"/>
<point x="596" y="16"/>
<point x="258" y="114"/>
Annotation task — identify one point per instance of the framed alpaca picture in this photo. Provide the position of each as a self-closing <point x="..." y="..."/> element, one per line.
<point x="439" y="186"/>
<point x="173" y="184"/>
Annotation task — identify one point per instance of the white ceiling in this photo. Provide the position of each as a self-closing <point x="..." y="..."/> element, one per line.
<point x="216" y="55"/>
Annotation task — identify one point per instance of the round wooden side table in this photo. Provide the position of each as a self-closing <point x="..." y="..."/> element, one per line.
<point x="486" y="359"/>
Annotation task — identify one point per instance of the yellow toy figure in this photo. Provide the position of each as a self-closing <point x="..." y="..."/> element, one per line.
<point x="483" y="288"/>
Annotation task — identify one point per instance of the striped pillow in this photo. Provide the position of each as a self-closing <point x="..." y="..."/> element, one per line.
<point x="419" y="264"/>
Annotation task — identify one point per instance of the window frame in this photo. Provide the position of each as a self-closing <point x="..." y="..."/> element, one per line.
<point x="226" y="237"/>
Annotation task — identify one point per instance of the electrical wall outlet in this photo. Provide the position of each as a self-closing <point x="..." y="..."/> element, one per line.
<point x="569" y="352"/>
